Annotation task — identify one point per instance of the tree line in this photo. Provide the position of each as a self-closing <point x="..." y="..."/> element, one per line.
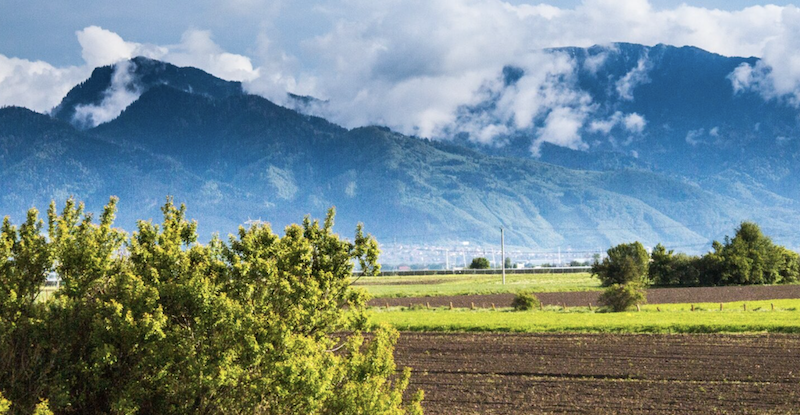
<point x="750" y="257"/>
<point x="157" y="323"/>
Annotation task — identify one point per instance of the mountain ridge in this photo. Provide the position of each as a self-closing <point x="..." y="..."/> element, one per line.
<point x="233" y="157"/>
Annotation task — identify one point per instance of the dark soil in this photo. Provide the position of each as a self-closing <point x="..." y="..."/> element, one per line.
<point x="465" y="373"/>
<point x="572" y="299"/>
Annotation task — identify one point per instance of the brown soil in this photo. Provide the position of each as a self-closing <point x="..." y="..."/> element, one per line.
<point x="464" y="373"/>
<point x="572" y="299"/>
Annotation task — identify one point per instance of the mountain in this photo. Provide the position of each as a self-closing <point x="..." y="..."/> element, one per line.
<point x="136" y="77"/>
<point x="234" y="157"/>
<point x="694" y="123"/>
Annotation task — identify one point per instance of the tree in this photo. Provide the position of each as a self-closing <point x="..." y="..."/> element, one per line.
<point x="625" y="263"/>
<point x="479" y="263"/>
<point x="749" y="257"/>
<point x="158" y="323"/>
<point x="668" y="268"/>
<point x="507" y="263"/>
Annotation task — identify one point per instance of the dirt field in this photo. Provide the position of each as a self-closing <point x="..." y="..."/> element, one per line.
<point x="604" y="374"/>
<point x="572" y="299"/>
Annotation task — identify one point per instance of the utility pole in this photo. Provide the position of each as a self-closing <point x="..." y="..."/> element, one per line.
<point x="464" y="257"/>
<point x="446" y="259"/>
<point x="503" y="253"/>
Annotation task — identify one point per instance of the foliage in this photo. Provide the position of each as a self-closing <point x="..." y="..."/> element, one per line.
<point x="625" y="263"/>
<point x="620" y="297"/>
<point x="158" y="323"/>
<point x="748" y="258"/>
<point x="667" y="268"/>
<point x="479" y="263"/>
<point x="507" y="263"/>
<point x="751" y="258"/>
<point x="525" y="301"/>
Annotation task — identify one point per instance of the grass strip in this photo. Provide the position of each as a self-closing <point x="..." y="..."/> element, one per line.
<point x="673" y="318"/>
<point x="446" y="285"/>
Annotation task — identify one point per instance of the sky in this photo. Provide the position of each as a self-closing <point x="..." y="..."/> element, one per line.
<point x="407" y="64"/>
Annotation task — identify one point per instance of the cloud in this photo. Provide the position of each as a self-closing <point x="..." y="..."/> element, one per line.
<point x="632" y="123"/>
<point x="694" y="137"/>
<point x="122" y="92"/>
<point x="635" y="77"/>
<point x="40" y="86"/>
<point x="561" y="128"/>
<point x="35" y="85"/>
<point x="198" y="49"/>
<point x="416" y="65"/>
<point x="777" y="74"/>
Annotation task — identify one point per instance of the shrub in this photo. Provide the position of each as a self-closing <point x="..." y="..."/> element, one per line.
<point x="479" y="263"/>
<point x="525" y="301"/>
<point x="157" y="323"/>
<point x="620" y="297"/>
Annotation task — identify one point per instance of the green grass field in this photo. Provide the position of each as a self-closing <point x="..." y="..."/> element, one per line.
<point x="439" y="285"/>
<point x="673" y="318"/>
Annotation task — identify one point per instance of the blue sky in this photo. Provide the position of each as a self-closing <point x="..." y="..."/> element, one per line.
<point x="45" y="30"/>
<point x="407" y="64"/>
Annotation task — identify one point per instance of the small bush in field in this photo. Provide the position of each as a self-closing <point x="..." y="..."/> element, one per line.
<point x="620" y="297"/>
<point x="525" y="301"/>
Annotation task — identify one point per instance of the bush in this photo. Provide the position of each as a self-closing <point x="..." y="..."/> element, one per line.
<point x="525" y="301"/>
<point x="157" y="323"/>
<point x="479" y="263"/>
<point x="625" y="263"/>
<point x="620" y="297"/>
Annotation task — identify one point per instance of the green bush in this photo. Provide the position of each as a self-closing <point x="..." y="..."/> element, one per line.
<point x="479" y="263"/>
<point x="620" y="297"/>
<point x="525" y="301"/>
<point x="157" y="323"/>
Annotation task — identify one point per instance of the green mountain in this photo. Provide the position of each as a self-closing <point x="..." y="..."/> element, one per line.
<point x="234" y="157"/>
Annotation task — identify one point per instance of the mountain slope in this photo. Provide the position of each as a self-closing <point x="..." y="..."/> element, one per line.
<point x="233" y="157"/>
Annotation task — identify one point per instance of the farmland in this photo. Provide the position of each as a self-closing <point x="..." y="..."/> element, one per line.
<point x="490" y="373"/>
<point x="733" y="349"/>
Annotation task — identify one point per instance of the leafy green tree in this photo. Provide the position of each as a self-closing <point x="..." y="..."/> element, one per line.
<point x="507" y="263"/>
<point x="479" y="263"/>
<point x="625" y="263"/>
<point x="749" y="257"/>
<point x="158" y="323"/>
<point x="667" y="268"/>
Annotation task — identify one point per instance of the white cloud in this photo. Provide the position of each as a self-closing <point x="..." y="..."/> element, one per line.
<point x="35" y="85"/>
<point x="122" y="92"/>
<point x="777" y="75"/>
<point x="637" y="76"/>
<point x="632" y="123"/>
<point x="561" y="128"/>
<point x="695" y="137"/>
<point x="198" y="49"/>
<point x="40" y="86"/>
<point x="414" y="65"/>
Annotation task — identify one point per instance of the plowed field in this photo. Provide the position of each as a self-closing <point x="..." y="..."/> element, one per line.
<point x="604" y="374"/>
<point x="573" y="299"/>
